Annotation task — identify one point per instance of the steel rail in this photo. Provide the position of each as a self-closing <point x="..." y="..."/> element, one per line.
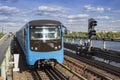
<point x="54" y="74"/>
<point x="95" y="64"/>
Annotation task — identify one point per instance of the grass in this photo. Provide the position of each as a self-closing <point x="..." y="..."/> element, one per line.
<point x="1" y="35"/>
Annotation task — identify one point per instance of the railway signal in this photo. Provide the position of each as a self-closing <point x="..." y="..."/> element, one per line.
<point x="91" y="31"/>
<point x="91" y="27"/>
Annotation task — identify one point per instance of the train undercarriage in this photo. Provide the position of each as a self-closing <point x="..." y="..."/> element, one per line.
<point x="44" y="63"/>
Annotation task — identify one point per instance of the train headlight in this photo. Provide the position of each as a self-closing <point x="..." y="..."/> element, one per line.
<point x="55" y="47"/>
<point x="36" y="48"/>
<point x="59" y="46"/>
<point x="32" y="48"/>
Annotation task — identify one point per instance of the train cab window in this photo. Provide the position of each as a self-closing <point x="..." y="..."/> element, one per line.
<point x="46" y="32"/>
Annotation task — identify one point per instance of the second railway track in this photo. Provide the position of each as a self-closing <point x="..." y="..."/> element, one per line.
<point x="91" y="69"/>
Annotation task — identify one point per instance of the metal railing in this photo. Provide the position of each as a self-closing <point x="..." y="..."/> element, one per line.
<point x="84" y="40"/>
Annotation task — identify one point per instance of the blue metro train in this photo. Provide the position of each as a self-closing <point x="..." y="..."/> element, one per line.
<point x="42" y="41"/>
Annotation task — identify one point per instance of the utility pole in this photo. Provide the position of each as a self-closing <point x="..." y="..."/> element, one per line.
<point x="2" y="30"/>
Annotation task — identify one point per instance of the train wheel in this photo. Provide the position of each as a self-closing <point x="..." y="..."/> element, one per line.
<point x="38" y="64"/>
<point x="52" y="64"/>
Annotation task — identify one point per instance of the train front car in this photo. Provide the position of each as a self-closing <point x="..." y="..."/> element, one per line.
<point x="45" y="42"/>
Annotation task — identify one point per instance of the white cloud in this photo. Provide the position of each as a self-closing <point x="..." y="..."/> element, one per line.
<point x="9" y="0"/>
<point x="11" y="24"/>
<point x="51" y="8"/>
<point x="53" y="11"/>
<point x="103" y="17"/>
<point x="116" y="11"/>
<point x="3" y="18"/>
<point x="9" y="19"/>
<point x="78" y="16"/>
<point x="8" y="16"/>
<point x="74" y="21"/>
<point x="115" y="21"/>
<point x="94" y="9"/>
<point x="109" y="9"/>
<point x="8" y="11"/>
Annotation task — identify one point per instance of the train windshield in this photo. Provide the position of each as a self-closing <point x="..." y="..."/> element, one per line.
<point x="47" y="32"/>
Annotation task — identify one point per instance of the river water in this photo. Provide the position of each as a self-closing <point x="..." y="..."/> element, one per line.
<point x="99" y="43"/>
<point x="109" y="45"/>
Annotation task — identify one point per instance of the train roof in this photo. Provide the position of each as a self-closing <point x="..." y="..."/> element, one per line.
<point x="39" y="22"/>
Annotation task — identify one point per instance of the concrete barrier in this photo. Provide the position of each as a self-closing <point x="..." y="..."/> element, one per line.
<point x="4" y="66"/>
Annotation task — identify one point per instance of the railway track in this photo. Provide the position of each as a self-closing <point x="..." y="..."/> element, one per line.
<point x="54" y="74"/>
<point x="91" y="69"/>
<point x="59" y="72"/>
<point x="33" y="73"/>
<point x="113" y="56"/>
<point x="46" y="73"/>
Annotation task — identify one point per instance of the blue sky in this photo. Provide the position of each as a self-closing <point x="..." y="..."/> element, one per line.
<point x="73" y="14"/>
